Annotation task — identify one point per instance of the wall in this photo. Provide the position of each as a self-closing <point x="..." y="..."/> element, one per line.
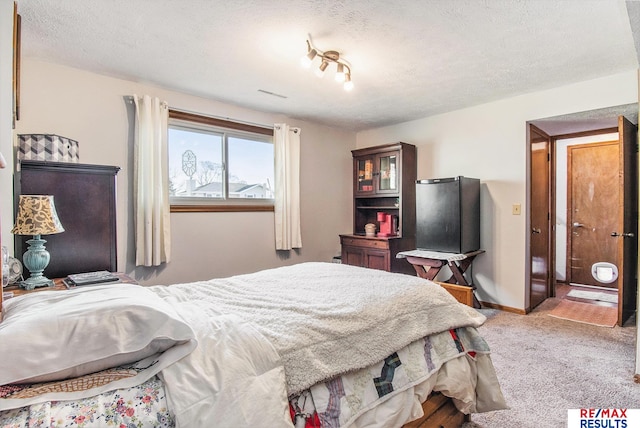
<point x="6" y="115"/>
<point x="489" y="142"/>
<point x="96" y="111"/>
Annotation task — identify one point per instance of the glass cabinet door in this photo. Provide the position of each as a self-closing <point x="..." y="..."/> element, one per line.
<point x="388" y="177"/>
<point x="365" y="175"/>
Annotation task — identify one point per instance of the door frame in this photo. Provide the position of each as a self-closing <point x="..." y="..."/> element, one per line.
<point x="552" y="249"/>
<point x="549" y="171"/>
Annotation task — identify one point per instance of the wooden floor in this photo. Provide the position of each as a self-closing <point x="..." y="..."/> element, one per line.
<point x="563" y="289"/>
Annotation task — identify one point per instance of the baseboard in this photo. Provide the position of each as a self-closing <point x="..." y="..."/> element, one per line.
<point x="489" y="305"/>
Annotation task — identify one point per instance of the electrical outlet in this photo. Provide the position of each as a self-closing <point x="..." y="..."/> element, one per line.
<point x="515" y="209"/>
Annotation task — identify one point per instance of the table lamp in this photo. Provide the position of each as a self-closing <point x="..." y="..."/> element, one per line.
<point x="36" y="216"/>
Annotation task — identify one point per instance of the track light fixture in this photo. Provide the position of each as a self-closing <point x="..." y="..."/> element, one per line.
<point x="323" y="66"/>
<point x="343" y="69"/>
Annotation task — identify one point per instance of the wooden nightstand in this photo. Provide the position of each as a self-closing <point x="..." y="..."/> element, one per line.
<point x="59" y="285"/>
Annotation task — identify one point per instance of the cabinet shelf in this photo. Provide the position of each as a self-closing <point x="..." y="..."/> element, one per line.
<point x="381" y="208"/>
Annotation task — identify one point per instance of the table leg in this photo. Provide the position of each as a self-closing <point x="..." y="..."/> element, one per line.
<point x="426" y="268"/>
<point x="429" y="268"/>
<point x="458" y="269"/>
<point x="426" y="272"/>
<point x="457" y="276"/>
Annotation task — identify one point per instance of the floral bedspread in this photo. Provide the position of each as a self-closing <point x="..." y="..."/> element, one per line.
<point x="140" y="406"/>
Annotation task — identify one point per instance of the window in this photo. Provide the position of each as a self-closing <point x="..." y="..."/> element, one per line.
<point x="219" y="165"/>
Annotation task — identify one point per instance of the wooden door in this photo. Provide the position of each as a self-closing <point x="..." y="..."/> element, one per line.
<point x="540" y="215"/>
<point x="627" y="237"/>
<point x="593" y="198"/>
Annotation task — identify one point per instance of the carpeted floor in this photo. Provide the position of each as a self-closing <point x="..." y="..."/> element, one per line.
<point x="548" y="365"/>
<point x="587" y="313"/>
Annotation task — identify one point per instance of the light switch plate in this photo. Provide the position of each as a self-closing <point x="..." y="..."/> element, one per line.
<point x="515" y="209"/>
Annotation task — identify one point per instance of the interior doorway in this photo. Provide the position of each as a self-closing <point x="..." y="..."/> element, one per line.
<point x="567" y="233"/>
<point x="592" y="193"/>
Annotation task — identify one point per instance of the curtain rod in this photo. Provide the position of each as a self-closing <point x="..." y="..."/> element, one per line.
<point x="260" y="125"/>
<point x="163" y="103"/>
<point x="294" y="129"/>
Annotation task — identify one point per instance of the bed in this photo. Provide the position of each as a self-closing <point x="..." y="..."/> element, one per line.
<point x="312" y="344"/>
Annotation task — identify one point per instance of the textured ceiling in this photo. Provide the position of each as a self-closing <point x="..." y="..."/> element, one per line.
<point x="410" y="58"/>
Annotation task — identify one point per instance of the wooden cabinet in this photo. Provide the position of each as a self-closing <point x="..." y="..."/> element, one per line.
<point x="373" y="252"/>
<point x="384" y="180"/>
<point x="85" y="200"/>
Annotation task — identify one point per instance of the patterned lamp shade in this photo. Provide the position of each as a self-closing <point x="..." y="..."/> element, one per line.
<point x="37" y="216"/>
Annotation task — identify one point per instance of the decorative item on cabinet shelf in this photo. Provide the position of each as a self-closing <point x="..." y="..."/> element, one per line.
<point x="368" y="170"/>
<point x="388" y="224"/>
<point x="47" y="147"/>
<point x="370" y="229"/>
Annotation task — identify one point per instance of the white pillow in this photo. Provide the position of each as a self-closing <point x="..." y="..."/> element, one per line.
<point x="54" y="335"/>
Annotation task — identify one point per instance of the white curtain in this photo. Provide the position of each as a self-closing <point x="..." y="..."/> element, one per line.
<point x="286" y="142"/>
<point x="151" y="182"/>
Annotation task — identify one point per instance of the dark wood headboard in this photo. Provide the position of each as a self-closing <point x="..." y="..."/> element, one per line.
<point x="85" y="200"/>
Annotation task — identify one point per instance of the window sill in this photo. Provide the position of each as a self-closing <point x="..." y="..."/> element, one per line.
<point x="219" y="208"/>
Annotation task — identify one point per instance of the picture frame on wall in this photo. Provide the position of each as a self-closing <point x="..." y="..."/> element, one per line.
<point x="16" y="63"/>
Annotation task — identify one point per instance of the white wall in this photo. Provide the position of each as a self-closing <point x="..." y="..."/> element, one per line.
<point x="489" y="142"/>
<point x="6" y="115"/>
<point x="561" y="195"/>
<point x="94" y="110"/>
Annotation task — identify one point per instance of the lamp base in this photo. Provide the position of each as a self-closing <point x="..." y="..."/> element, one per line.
<point x="40" y="281"/>
<point x="36" y="260"/>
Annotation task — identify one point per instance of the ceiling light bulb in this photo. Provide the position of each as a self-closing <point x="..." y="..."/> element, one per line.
<point x="340" y="76"/>
<point x="322" y="68"/>
<point x="306" y="60"/>
<point x="348" y="84"/>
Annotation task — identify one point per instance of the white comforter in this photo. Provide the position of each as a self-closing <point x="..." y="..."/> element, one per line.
<point x="234" y="378"/>
<point x="324" y="319"/>
<point x="317" y="320"/>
